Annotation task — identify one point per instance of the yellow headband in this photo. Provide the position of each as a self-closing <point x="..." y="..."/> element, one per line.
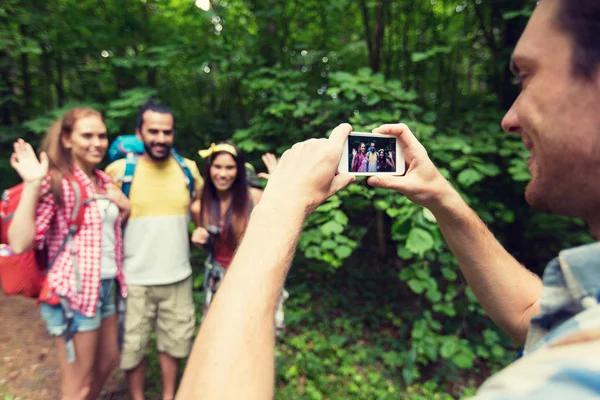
<point x="215" y="148"/>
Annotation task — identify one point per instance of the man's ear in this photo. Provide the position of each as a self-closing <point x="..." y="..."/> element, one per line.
<point x="138" y="133"/>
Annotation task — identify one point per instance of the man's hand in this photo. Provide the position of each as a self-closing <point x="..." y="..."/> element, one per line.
<point x="25" y="162"/>
<point x="200" y="236"/>
<point x="509" y="293"/>
<point x="307" y="173"/>
<point x="422" y="184"/>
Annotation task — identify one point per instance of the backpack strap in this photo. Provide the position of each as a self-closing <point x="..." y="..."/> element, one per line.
<point x="75" y="222"/>
<point x="189" y="178"/>
<point x="130" y="164"/>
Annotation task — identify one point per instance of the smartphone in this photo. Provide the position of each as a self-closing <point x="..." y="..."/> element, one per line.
<point x="367" y="154"/>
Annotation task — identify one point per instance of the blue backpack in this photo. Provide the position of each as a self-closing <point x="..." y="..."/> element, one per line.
<point x="130" y="148"/>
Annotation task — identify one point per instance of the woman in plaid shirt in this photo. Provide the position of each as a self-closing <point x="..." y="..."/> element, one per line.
<point x="84" y="272"/>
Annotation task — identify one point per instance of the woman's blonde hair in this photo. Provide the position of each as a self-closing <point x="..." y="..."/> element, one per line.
<point x="60" y="158"/>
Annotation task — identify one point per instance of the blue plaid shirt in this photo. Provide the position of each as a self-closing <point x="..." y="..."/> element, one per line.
<point x="569" y="305"/>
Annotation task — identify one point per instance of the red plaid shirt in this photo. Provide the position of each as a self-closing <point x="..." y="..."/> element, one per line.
<point x="51" y="229"/>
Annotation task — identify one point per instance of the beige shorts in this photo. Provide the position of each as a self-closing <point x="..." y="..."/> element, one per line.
<point x="167" y="308"/>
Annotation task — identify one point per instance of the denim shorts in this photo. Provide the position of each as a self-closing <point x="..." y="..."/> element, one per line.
<point x="55" y="320"/>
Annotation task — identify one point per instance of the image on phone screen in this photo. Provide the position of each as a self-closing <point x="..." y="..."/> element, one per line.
<point x="371" y="154"/>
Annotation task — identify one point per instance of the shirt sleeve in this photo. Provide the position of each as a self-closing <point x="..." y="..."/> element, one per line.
<point x="44" y="213"/>
<point x="565" y="372"/>
<point x="115" y="170"/>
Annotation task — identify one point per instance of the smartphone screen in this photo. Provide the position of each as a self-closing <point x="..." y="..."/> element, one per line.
<point x="371" y="154"/>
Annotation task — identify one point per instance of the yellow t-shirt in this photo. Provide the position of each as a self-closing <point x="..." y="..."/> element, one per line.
<point x="372" y="156"/>
<point x="156" y="238"/>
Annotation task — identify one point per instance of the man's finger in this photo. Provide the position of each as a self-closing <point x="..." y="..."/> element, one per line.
<point x="340" y="134"/>
<point x="339" y="182"/>
<point x="388" y="182"/>
<point x="402" y="132"/>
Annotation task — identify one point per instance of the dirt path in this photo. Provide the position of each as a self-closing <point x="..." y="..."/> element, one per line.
<point x="28" y="365"/>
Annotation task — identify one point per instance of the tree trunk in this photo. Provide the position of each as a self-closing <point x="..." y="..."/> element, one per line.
<point x="5" y="91"/>
<point x="152" y="72"/>
<point x="375" y="38"/>
<point x="47" y="68"/>
<point x="60" y="82"/>
<point x="27" y="93"/>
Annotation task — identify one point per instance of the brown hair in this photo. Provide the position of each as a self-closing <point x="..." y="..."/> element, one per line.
<point x="580" y="19"/>
<point x="60" y="158"/>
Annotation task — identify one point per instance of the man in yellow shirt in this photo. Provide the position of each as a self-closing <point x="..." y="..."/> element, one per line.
<point x="372" y="158"/>
<point x="156" y="259"/>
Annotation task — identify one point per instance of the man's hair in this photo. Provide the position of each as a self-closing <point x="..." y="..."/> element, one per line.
<point x="152" y="105"/>
<point x="580" y="19"/>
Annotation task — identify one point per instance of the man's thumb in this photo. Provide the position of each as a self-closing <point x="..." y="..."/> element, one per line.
<point x="387" y="182"/>
<point x="339" y="182"/>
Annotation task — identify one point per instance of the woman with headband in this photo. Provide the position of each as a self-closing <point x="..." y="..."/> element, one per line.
<point x="223" y="212"/>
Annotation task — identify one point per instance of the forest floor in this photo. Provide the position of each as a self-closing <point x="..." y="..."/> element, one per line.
<point x="28" y="364"/>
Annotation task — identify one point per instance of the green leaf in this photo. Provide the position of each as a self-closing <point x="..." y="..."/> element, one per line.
<point x="463" y="360"/>
<point x="340" y="217"/>
<point x="448" y="274"/>
<point x="515" y="14"/>
<point x="507" y="216"/>
<point x="419" y="241"/>
<point x="312" y="252"/>
<point x="338" y="340"/>
<point x="406" y="274"/>
<point x="490" y="337"/>
<point x="331" y="227"/>
<point x="419" y="329"/>
<point x="434" y="296"/>
<point x="418" y="57"/>
<point x="446" y="309"/>
<point x="404" y="253"/>
<point x="373" y="99"/>
<point x="381" y="204"/>
<point x="469" y="176"/>
<point x="343" y="251"/>
<point x="288" y="95"/>
<point x="328" y="244"/>
<point x="449" y="348"/>
<point x="393" y="359"/>
<point x="416" y="286"/>
<point x="498" y="351"/>
<point x="488" y="169"/>
<point x="458" y="163"/>
<point x="407" y="375"/>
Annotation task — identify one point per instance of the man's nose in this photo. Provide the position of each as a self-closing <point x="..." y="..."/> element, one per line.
<point x="160" y="137"/>
<point x="511" y="122"/>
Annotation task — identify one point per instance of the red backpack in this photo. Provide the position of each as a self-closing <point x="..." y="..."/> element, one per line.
<point x="25" y="274"/>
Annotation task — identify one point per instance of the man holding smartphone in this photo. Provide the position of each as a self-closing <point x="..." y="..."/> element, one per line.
<point x="558" y="319"/>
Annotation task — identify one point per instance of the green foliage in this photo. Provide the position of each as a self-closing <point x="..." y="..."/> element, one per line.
<point x="378" y="307"/>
